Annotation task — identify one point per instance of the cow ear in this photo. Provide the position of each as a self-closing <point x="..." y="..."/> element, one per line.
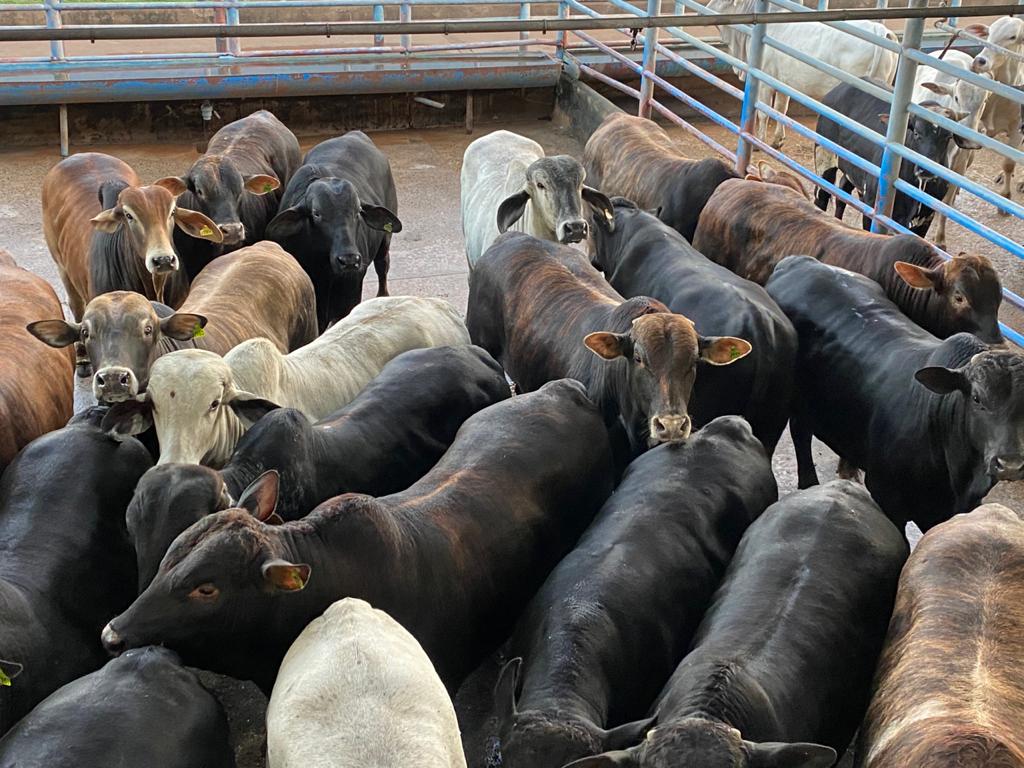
<point x="283" y="576"/>
<point x="380" y="218"/>
<point x="722" y="350"/>
<point x="287" y="223"/>
<point x="108" y="221"/>
<point x="883" y="118"/>
<point x="182" y="326"/>
<point x="943" y="88"/>
<point x="511" y="210"/>
<point x="600" y="202"/>
<point x="260" y="498"/>
<point x="173" y="184"/>
<point x="251" y="407"/>
<point x="505" y="690"/>
<point x="608" y="345"/>
<point x="919" y="277"/>
<point x="132" y="417"/>
<point x="981" y="30"/>
<point x="941" y="380"/>
<point x="261" y="183"/>
<point x="197" y="225"/>
<point x="621" y="758"/>
<point x="629" y="734"/>
<point x="798" y="755"/>
<point x="10" y="670"/>
<point x="56" y="333"/>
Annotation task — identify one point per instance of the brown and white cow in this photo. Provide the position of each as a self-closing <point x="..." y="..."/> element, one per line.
<point x="36" y="392"/>
<point x="948" y="691"/>
<point x="750" y="227"/>
<point x="545" y="313"/>
<point x="259" y="291"/>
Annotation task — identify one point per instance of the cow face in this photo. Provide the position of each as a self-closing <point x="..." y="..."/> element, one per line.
<point x="662" y="351"/>
<point x="168" y="499"/>
<point x="1007" y="32"/>
<point x="194" y="405"/>
<point x="708" y="744"/>
<point x="219" y="188"/>
<point x="992" y="388"/>
<point x="929" y="140"/>
<point x="537" y="740"/>
<point x="328" y="221"/>
<point x="969" y="289"/>
<point x="121" y="332"/>
<point x="964" y="99"/>
<point x="556" y="192"/>
<point x="147" y="216"/>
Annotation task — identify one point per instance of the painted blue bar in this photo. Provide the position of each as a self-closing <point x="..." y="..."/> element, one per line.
<point x="751" y="87"/>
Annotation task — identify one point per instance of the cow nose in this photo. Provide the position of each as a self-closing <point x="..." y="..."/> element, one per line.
<point x="112" y="641"/>
<point x="115" y="384"/>
<point x="233" y="233"/>
<point x="348" y="260"/>
<point x="670" y="427"/>
<point x="980" y="64"/>
<point x="1008" y="467"/>
<point x="574" y="231"/>
<point x="164" y="262"/>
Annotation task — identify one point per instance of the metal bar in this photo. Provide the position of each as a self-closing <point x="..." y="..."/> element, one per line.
<point x="524" y="14"/>
<point x="961" y="130"/>
<point x="563" y="14"/>
<point x="699" y="134"/>
<point x="591" y="72"/>
<point x="234" y="43"/>
<point x="990" y="85"/>
<point x="470" y="112"/>
<point x="828" y="69"/>
<point x="458" y="26"/>
<point x="54" y="21"/>
<point x="955" y="4"/>
<point x="899" y="118"/>
<point x="220" y="16"/>
<point x="701" y="73"/>
<point x="650" y="61"/>
<point x="65" y="136"/>
<point x="378" y="17"/>
<point x="822" y="5"/>
<point x="751" y="86"/>
<point x="405" y="16"/>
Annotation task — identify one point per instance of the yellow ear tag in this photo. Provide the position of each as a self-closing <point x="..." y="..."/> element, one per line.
<point x="198" y="332"/>
<point x="4" y="679"/>
<point x="268" y="187"/>
<point x="389" y="228"/>
<point x="205" y="231"/>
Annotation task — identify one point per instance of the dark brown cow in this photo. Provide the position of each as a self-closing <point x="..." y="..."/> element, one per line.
<point x="948" y="691"/>
<point x="257" y="291"/>
<point x="36" y="392"/>
<point x="633" y="157"/>
<point x="537" y="306"/>
<point x="750" y="227"/>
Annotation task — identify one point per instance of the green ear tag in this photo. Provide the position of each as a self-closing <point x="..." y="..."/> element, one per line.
<point x="734" y="352"/>
<point x="198" y="332"/>
<point x="205" y="231"/>
<point x="389" y="228"/>
<point x="268" y="188"/>
<point x="4" y="679"/>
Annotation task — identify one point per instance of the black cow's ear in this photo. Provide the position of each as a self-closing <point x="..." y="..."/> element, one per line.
<point x="600" y="202"/>
<point x="56" y="333"/>
<point x="628" y="734"/>
<point x="622" y="758"/>
<point x="182" y="326"/>
<point x="132" y="417"/>
<point x="380" y="218"/>
<point x="283" y="576"/>
<point x="511" y="210"/>
<point x="798" y="755"/>
<point x="941" y="380"/>
<point x="505" y="690"/>
<point x="722" y="350"/>
<point x="261" y="183"/>
<point x="250" y="407"/>
<point x="609" y="345"/>
<point x="260" y="498"/>
<point x="288" y="223"/>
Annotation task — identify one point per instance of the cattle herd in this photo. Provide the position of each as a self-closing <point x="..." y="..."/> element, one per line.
<point x="545" y="534"/>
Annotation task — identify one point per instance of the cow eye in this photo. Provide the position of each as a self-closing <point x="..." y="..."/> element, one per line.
<point x="128" y="217"/>
<point x="214" y="405"/>
<point x="149" y="330"/>
<point x="204" y="592"/>
<point x="85" y="334"/>
<point x="637" y="359"/>
<point x="316" y="215"/>
<point x="539" y="185"/>
<point x="959" y="298"/>
<point x="976" y="398"/>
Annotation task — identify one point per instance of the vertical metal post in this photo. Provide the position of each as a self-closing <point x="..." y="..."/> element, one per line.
<point x="751" y="87"/>
<point x="405" y="14"/>
<point x="563" y="13"/>
<point x="65" y="137"/>
<point x="881" y="3"/>
<point x="524" y="14"/>
<point x="470" y="111"/>
<point x="822" y="5"/>
<point x="54" y="21"/>
<point x="952" y="20"/>
<point x="680" y="9"/>
<point x="234" y="43"/>
<point x="650" y="61"/>
<point x="220" y="16"/>
<point x="378" y="16"/>
<point x="896" y="132"/>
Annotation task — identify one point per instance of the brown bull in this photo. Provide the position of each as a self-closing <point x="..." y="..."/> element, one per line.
<point x="750" y="227"/>
<point x="948" y="691"/>
<point x="255" y="291"/>
<point x="36" y="392"/>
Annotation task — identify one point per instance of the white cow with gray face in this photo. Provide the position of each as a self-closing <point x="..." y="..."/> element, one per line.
<point x="356" y="690"/>
<point x="509" y="183"/>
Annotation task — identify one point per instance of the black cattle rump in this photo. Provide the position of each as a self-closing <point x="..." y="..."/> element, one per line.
<point x="934" y="424"/>
<point x="65" y="562"/>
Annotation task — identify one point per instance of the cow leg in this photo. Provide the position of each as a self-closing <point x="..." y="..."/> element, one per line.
<point x="847" y="187"/>
<point x="381" y="265"/>
<point x="800" y="431"/>
<point x="822" y="196"/>
<point x="1006" y="178"/>
<point x="781" y="105"/>
<point x="848" y="471"/>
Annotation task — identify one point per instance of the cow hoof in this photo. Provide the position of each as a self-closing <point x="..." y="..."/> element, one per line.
<point x="777" y="144"/>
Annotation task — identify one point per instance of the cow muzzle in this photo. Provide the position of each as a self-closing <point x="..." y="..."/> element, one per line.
<point x="1007" y="467"/>
<point x="981" y="63"/>
<point x="162" y="263"/>
<point x="233" y="233"/>
<point x="114" y="385"/>
<point x="572" y="231"/>
<point x="670" y="428"/>
<point x="112" y="641"/>
<point x="348" y="262"/>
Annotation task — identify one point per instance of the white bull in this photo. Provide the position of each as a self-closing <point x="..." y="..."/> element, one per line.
<point x="509" y="183"/>
<point x="843" y="51"/>
<point x="1002" y="116"/>
<point x="201" y="404"/>
<point x="963" y="98"/>
<point x="355" y="690"/>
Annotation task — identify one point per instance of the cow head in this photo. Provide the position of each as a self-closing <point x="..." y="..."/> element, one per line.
<point x="709" y="744"/>
<point x="328" y="219"/>
<point x="168" y="499"/>
<point x="964" y="99"/>
<point x="930" y="140"/>
<point x="555" y="189"/>
<point x="121" y="332"/>
<point x="531" y="739"/>
<point x="1007" y="32"/>
<point x="219" y="188"/>
<point x="147" y="216"/>
<point x="192" y="401"/>
<point x="991" y="385"/>
<point x="227" y="562"/>
<point x="970" y="291"/>
<point x="661" y="351"/>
